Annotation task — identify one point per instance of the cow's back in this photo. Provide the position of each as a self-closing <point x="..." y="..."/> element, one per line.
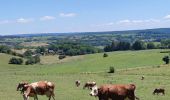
<point x="116" y="89"/>
<point x="39" y="87"/>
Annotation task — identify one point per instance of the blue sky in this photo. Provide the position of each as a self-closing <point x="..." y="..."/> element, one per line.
<point x="48" y="16"/>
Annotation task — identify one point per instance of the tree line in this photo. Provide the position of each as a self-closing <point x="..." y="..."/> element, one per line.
<point x="123" y="45"/>
<point x="73" y="49"/>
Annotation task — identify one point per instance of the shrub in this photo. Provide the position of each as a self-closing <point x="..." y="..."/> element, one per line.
<point x="111" y="70"/>
<point x="14" y="60"/>
<point x="28" y="53"/>
<point x="5" y="49"/>
<point x="105" y="55"/>
<point x="166" y="59"/>
<point x="33" y="60"/>
<point x="61" y="57"/>
<point x="29" y="62"/>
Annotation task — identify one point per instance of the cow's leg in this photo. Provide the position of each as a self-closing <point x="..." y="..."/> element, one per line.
<point x="104" y="98"/>
<point x="131" y="96"/>
<point x="25" y="97"/>
<point x="163" y="93"/>
<point x="49" y="98"/>
<point x="35" y="97"/>
<point x="53" y="97"/>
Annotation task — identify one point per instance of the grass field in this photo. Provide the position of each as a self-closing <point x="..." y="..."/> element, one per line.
<point x="129" y="65"/>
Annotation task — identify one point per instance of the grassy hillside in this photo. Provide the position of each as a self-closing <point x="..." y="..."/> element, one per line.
<point x="130" y="66"/>
<point x="120" y="60"/>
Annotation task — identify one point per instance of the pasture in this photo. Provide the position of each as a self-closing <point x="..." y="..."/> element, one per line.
<point x="129" y="65"/>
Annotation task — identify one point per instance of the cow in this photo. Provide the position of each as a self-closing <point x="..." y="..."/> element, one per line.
<point x="158" y="91"/>
<point x="77" y="83"/>
<point x="114" y="92"/>
<point x="38" y="88"/>
<point x="89" y="85"/>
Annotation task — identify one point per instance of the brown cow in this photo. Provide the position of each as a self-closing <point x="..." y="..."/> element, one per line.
<point x="158" y="91"/>
<point x="77" y="82"/>
<point x="38" y="88"/>
<point x="114" y="92"/>
<point x="89" y="85"/>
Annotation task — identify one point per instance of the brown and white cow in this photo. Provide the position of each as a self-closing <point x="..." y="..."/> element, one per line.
<point x="38" y="88"/>
<point x="89" y="85"/>
<point x="114" y="92"/>
<point x="77" y="83"/>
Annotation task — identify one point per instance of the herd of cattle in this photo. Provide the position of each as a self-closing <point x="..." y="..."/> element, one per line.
<point x="104" y="92"/>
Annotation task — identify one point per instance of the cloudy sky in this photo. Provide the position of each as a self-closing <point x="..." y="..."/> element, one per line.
<point x="47" y="16"/>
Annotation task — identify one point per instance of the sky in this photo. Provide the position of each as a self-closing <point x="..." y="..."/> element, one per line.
<point x="62" y="16"/>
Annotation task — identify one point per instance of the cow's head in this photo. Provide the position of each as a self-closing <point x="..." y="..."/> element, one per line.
<point x="21" y="86"/>
<point x="94" y="91"/>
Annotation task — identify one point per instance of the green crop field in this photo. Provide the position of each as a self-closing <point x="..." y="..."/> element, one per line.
<point x="129" y="66"/>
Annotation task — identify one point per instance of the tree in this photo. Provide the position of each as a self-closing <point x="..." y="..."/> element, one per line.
<point x="165" y="43"/>
<point x="151" y="45"/>
<point x="114" y="46"/>
<point x="166" y="59"/>
<point x="139" y="45"/>
<point x="40" y="50"/>
<point x="28" y="53"/>
<point x="123" y="45"/>
<point x="5" y="49"/>
<point x="14" y="60"/>
<point x="33" y="60"/>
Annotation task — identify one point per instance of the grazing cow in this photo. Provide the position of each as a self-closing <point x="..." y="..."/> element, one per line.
<point x="158" y="91"/>
<point x="38" y="88"/>
<point x="114" y="92"/>
<point x="89" y="85"/>
<point x="77" y="82"/>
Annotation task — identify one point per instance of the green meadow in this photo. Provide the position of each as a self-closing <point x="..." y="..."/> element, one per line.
<point x="129" y="66"/>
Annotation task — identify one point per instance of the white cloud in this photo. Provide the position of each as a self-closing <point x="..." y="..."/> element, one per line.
<point x="23" y="20"/>
<point x="124" y="21"/>
<point x="67" y="14"/>
<point x="5" y="22"/>
<point x="167" y="17"/>
<point x="47" y="18"/>
<point x="104" y="25"/>
<point x="138" y="21"/>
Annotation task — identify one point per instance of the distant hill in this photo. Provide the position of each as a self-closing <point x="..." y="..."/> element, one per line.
<point x="147" y="31"/>
<point x="91" y="38"/>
